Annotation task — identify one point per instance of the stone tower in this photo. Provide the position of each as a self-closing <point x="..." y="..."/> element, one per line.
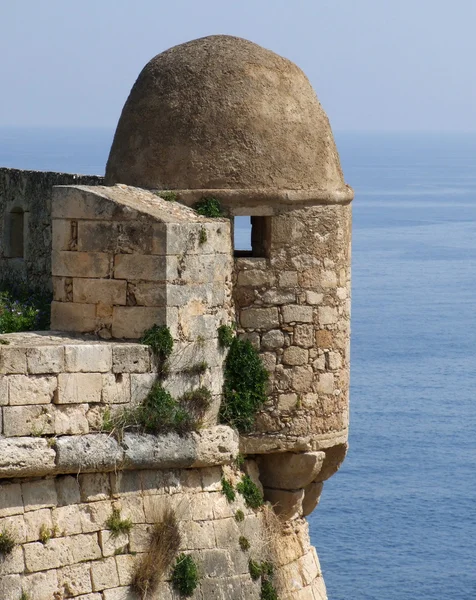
<point x="223" y="117"/>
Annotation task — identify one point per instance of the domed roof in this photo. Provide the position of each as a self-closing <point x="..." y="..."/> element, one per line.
<point x="223" y="115"/>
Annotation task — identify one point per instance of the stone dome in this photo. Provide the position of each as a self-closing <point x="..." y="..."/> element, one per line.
<point x="223" y="115"/>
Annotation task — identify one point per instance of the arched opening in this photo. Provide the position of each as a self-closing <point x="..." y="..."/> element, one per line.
<point x="14" y="233"/>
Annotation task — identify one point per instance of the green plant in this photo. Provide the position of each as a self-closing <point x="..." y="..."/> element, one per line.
<point x="4" y="342"/>
<point x="159" y="338"/>
<point x="244" y="390"/>
<point x="255" y="569"/>
<point x="226" y="335"/>
<point x="164" y="544"/>
<point x="244" y="543"/>
<point x="160" y="413"/>
<point x="250" y="492"/>
<point x="185" y="575"/>
<point x="195" y="403"/>
<point x="239" y="515"/>
<point x="23" y="310"/>
<point x="268" y="591"/>
<point x="116" y="524"/>
<point x="202" y="236"/>
<point x="166" y="195"/>
<point x="227" y="489"/>
<point x="46" y="534"/>
<point x="239" y="461"/>
<point x="197" y="369"/>
<point x="24" y="595"/>
<point x="7" y="542"/>
<point x="208" y="207"/>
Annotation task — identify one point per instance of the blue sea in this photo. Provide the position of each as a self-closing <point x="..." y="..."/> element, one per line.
<point x="398" y="522"/>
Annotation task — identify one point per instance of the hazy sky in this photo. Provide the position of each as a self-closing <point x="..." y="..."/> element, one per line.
<point x="375" y="64"/>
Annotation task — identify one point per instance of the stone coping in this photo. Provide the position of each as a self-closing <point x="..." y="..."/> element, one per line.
<point x="27" y="339"/>
<point x="100" y="452"/>
<point x="273" y="444"/>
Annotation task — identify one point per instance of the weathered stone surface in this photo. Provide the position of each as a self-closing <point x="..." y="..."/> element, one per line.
<point x="293" y="355"/>
<point x="45" y="359"/>
<point x="27" y="389"/>
<point x="162" y="452"/>
<point x="286" y="504"/>
<point x="104" y="574"/>
<point x="312" y="495"/>
<point x="130" y="322"/>
<point x="78" y="388"/>
<point x="25" y="456"/>
<point x="11" y="502"/>
<point x="296" y="313"/>
<point x="334" y="458"/>
<point x="327" y="315"/>
<point x="259" y="318"/>
<point x="130" y="358"/>
<point x="272" y="339"/>
<point x="88" y="453"/>
<point x="28" y="420"/>
<point x="80" y="264"/>
<point x="71" y="316"/>
<point x="290" y="471"/>
<point x="12" y="360"/>
<point x="116" y="388"/>
<point x="75" y="579"/>
<point x="216" y="446"/>
<point x="88" y="358"/>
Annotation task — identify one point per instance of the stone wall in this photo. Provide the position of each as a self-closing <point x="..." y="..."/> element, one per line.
<point x="28" y="194"/>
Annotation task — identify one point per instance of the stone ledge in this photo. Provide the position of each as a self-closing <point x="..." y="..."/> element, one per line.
<point x="272" y="444"/>
<point x="99" y="452"/>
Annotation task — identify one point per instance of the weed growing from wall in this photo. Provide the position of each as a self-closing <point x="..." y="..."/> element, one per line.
<point x="7" y="543"/>
<point x="226" y="335"/>
<point x="227" y="489"/>
<point x="46" y="533"/>
<point x="116" y="524"/>
<point x="164" y="544"/>
<point x="208" y="207"/>
<point x="202" y="236"/>
<point x="244" y="543"/>
<point x="244" y="390"/>
<point x="159" y="338"/>
<point x="250" y="492"/>
<point x="239" y="516"/>
<point x="166" y="195"/>
<point x="185" y="575"/>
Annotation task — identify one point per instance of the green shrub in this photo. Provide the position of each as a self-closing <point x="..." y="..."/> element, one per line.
<point x="250" y="492"/>
<point x="208" y="207"/>
<point x="255" y="569"/>
<point x="244" y="543"/>
<point x="166" y="195"/>
<point x="159" y="338"/>
<point x="117" y="525"/>
<point x="239" y="516"/>
<point x="7" y="542"/>
<point x="197" y="369"/>
<point x="185" y="575"/>
<point x="196" y="402"/>
<point x="226" y="335"/>
<point x="244" y="390"/>
<point x="227" y="489"/>
<point x="268" y="591"/>
<point x="202" y="236"/>
<point x="24" y="595"/>
<point x="24" y="311"/>
<point x="160" y="413"/>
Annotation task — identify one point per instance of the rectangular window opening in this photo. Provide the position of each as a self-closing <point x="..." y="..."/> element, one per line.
<point x="251" y="236"/>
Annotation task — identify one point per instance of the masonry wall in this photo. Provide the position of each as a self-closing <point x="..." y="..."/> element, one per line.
<point x="28" y="193"/>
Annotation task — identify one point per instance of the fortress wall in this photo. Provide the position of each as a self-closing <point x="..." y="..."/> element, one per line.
<point x="25" y="224"/>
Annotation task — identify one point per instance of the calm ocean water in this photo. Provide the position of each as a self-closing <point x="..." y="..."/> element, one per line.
<point x="398" y="522"/>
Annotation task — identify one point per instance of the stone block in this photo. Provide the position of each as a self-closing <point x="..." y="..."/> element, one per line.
<point x="215" y="446"/>
<point x="79" y="388"/>
<point x="204" y="269"/>
<point x="84" y="547"/>
<point x="272" y="339"/>
<point x="28" y="420"/>
<point x="111" y="543"/>
<point x="95" y="291"/>
<point x="295" y="313"/>
<point x="269" y="361"/>
<point x="287" y="504"/>
<point x="216" y="563"/>
<point x="259" y="318"/>
<point x="12" y="360"/>
<point x="314" y="298"/>
<point x="88" y="358"/>
<point x="23" y="456"/>
<point x="288" y="279"/>
<point x="126" y="565"/>
<point x="125" y="593"/>
<point x="335" y="456"/>
<point x="13" y="562"/>
<point x="131" y="358"/>
<point x="27" y="389"/>
<point x="329" y="279"/>
<point x="45" y="359"/>
<point x="324" y="338"/>
<point x="85" y="453"/>
<point x="75" y="579"/>
<point x="41" y="557"/>
<point x="10" y="586"/>
<point x="69" y="316"/>
<point x="67" y="488"/>
<point x="211" y="479"/>
<point x="287" y="401"/>
<point x="294" y="355"/>
<point x="94" y="516"/>
<point x="62" y="289"/>
<point x="312" y="495"/>
<point x="227" y="533"/>
<point x="133" y="267"/>
<point x="335" y="360"/>
<point x="197" y="535"/>
<point x="15" y="526"/>
<point x="304" y="336"/>
<point x="3" y="390"/>
<point x="326" y="383"/>
<point x="144" y="293"/>
<point x="71" y="420"/>
<point x="62" y="234"/>
<point x="302" y="379"/>
<point x="94" y="486"/>
<point x="80" y="264"/>
<point x="116" y="388"/>
<point x="327" y="315"/>
<point x="11" y="502"/>
<point x="278" y="297"/>
<point x="255" y="278"/>
<point x="35" y="521"/>
<point x="130" y="322"/>
<point x="290" y="470"/>
<point x="115" y="237"/>
<point x="39" y="494"/>
<point x="166" y="451"/>
<point x="139" y="538"/>
<point x="40" y="586"/>
<point x="104" y="574"/>
<point x="141" y="385"/>
<point x="67" y="520"/>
